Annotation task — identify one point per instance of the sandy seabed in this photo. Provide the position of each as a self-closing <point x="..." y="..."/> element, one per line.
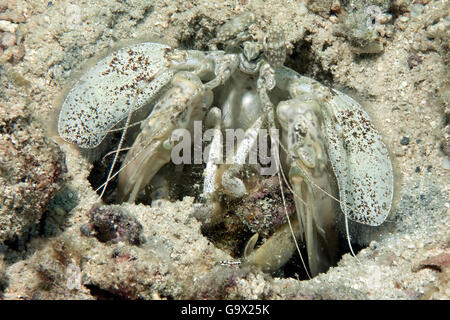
<point x="46" y="198"/>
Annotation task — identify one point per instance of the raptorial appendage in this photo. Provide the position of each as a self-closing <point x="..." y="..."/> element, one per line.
<point x="182" y="104"/>
<point x="311" y="179"/>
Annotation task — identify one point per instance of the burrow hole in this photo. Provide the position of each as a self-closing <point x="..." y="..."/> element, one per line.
<point x="186" y="180"/>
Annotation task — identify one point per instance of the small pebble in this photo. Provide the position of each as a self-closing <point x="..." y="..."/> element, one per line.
<point x="446" y="163"/>
<point x="404" y="141"/>
<point x="334" y="19"/>
<point x="302" y="10"/>
<point x="8" y="26"/>
<point x="8" y="40"/>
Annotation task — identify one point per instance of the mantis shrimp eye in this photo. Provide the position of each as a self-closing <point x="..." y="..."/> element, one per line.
<point x="251" y="51"/>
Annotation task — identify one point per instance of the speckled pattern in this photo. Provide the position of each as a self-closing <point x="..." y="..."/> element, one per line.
<point x="360" y="162"/>
<point x="104" y="95"/>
